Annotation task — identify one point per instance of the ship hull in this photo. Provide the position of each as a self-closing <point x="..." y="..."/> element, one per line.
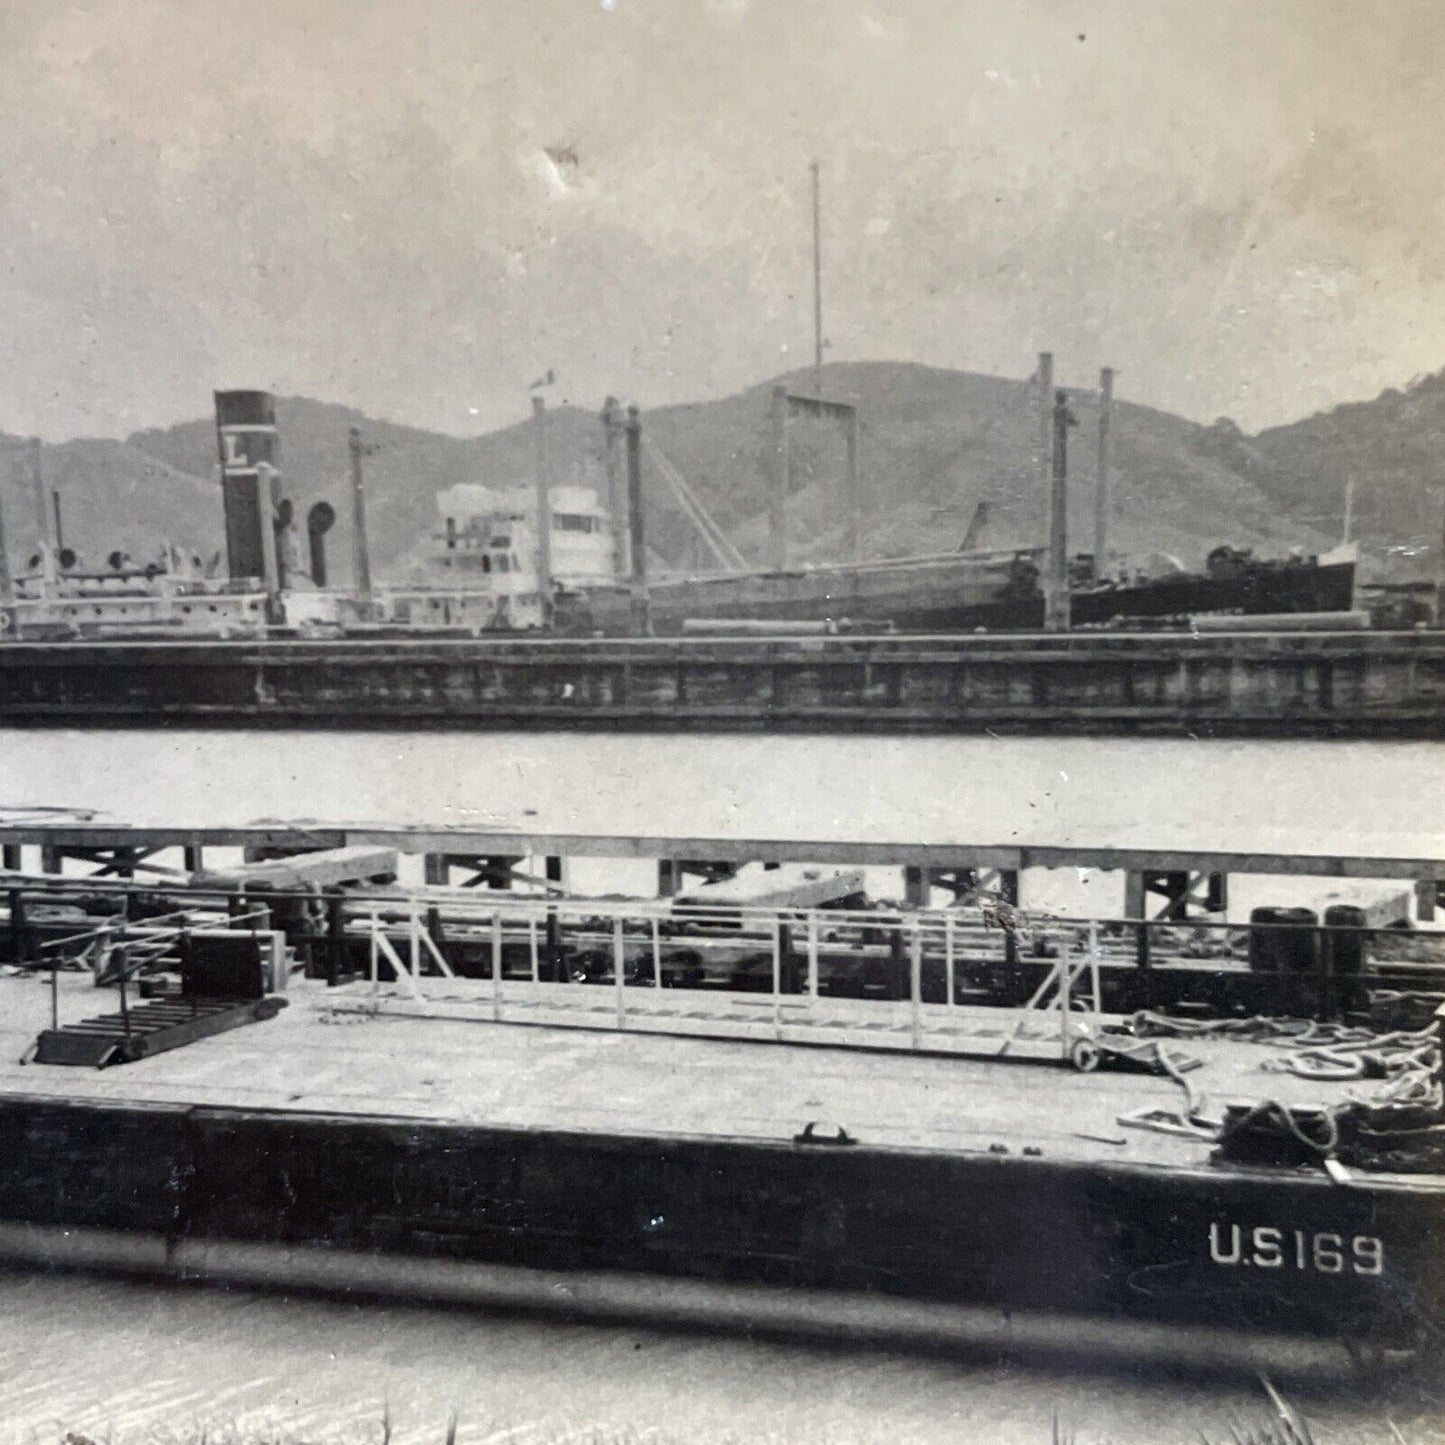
<point x="345" y="1202"/>
<point x="962" y="593"/>
<point x="933" y="594"/>
<point x="1257" y="591"/>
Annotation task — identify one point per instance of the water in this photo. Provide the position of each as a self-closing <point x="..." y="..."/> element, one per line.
<point x="124" y="1361"/>
<point x="1256" y="796"/>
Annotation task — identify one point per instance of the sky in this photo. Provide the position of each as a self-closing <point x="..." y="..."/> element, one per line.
<point x="418" y="209"/>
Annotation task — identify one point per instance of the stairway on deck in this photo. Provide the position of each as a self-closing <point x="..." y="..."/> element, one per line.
<point x="226" y="982"/>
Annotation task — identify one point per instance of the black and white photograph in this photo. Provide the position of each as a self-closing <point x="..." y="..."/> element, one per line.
<point x="722" y="722"/>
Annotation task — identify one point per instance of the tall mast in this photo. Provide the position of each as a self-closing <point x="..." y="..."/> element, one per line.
<point x="361" y="558"/>
<point x="543" y="486"/>
<point x="42" y="512"/>
<point x="1056" y="584"/>
<point x="7" y="582"/>
<point x="1101" y="493"/>
<point x="612" y="435"/>
<point x="817" y="287"/>
<point x="1045" y="378"/>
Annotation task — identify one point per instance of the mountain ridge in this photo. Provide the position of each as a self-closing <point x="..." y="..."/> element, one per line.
<point x="934" y="444"/>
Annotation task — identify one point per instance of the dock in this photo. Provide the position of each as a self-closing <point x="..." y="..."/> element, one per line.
<point x="1267" y="684"/>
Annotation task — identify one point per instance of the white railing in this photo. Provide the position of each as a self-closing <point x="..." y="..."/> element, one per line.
<point x="1049" y="1026"/>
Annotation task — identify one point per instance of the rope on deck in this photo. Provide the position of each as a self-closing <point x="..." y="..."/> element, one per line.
<point x="1410" y="1101"/>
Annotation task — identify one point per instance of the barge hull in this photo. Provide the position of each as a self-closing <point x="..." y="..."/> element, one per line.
<point x="199" y="1189"/>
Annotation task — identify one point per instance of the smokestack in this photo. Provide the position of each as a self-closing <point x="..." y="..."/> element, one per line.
<point x="361" y="559"/>
<point x="1101" y="490"/>
<point x="544" y="509"/>
<point x="1056" y="584"/>
<point x="247" y="442"/>
<point x="641" y="603"/>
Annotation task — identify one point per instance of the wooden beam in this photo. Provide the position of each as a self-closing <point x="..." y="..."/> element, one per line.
<point x="518" y="844"/>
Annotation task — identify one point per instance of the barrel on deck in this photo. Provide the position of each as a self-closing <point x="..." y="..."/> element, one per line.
<point x="1284" y="940"/>
<point x="1344" y="954"/>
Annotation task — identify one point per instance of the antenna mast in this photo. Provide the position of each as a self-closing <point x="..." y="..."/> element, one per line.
<point x="817" y="288"/>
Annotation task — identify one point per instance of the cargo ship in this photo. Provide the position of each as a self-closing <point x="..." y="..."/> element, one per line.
<point x="996" y="591"/>
<point x="488" y="536"/>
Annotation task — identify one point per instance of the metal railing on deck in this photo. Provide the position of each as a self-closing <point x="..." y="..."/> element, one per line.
<point x="1064" y="1009"/>
<point x="768" y="958"/>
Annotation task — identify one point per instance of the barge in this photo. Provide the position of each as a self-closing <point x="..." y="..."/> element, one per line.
<point x="478" y="1161"/>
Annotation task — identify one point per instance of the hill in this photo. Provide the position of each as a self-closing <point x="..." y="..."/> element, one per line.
<point x="1393" y="448"/>
<point x="934" y="443"/>
<point x="112" y="496"/>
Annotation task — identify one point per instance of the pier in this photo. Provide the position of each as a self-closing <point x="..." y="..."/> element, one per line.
<point x="1266" y="684"/>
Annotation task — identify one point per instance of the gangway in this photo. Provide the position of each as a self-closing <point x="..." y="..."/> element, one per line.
<point x="1062" y="1022"/>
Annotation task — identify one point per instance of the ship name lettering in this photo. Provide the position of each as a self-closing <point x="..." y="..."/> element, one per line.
<point x="1267" y="1247"/>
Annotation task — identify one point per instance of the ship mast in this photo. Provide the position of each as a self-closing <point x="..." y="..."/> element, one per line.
<point x="817" y="286"/>
<point x="1101" y="492"/>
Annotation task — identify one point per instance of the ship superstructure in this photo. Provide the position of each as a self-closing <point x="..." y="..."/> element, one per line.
<point x="484" y="564"/>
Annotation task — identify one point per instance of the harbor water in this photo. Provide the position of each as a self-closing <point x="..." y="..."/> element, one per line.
<point x="116" y="1362"/>
<point x="1344" y="798"/>
<point x="1282" y="797"/>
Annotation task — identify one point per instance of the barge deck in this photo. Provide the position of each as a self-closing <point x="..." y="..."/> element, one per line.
<point x="330" y="1054"/>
